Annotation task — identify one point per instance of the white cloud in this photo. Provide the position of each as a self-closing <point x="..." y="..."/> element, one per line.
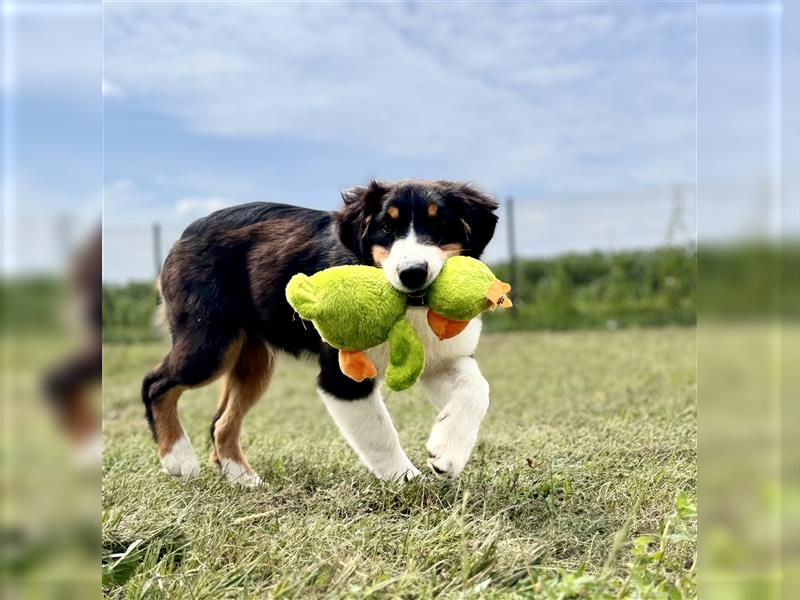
<point x="201" y="206"/>
<point x="112" y="90"/>
<point x="52" y="47"/>
<point x="119" y="186"/>
<point x="503" y="93"/>
<point x="585" y="112"/>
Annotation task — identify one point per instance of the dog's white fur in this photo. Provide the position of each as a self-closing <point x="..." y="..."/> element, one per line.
<point x="368" y="429"/>
<point x="238" y="474"/>
<point x="407" y="251"/>
<point x="181" y="460"/>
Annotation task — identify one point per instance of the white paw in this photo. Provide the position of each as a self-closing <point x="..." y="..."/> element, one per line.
<point x="449" y="446"/>
<point x="402" y="472"/>
<point x="181" y="461"/>
<point x="88" y="453"/>
<point x="238" y="474"/>
<point x="411" y="473"/>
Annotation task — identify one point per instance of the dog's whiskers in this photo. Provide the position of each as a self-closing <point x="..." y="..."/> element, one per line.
<point x="450" y="253"/>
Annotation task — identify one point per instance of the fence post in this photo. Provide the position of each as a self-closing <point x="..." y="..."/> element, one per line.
<point x="157" y="247"/>
<point x="512" y="256"/>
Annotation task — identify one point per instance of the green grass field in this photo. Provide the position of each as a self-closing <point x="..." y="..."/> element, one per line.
<point x="582" y="485"/>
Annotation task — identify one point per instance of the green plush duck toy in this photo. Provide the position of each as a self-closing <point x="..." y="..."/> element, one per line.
<point x="464" y="289"/>
<point x="354" y="308"/>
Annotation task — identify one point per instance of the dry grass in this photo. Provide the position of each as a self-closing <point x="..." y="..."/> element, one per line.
<point x="570" y="493"/>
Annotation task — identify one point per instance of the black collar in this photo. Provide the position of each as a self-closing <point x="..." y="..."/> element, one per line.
<point x="417" y="299"/>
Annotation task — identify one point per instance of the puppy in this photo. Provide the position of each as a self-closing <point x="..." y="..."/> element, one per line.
<point x="69" y="384"/>
<point x="223" y="291"/>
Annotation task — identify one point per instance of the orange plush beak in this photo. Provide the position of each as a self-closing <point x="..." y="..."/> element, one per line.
<point x="445" y="328"/>
<point x="496" y="295"/>
<point x="356" y="365"/>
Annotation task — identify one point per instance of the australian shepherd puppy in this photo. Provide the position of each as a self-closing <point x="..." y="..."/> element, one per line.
<point x="223" y="290"/>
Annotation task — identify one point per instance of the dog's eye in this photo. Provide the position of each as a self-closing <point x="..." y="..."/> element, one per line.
<point x="387" y="227"/>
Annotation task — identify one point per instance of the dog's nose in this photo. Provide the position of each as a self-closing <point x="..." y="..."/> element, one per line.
<point x="413" y="276"/>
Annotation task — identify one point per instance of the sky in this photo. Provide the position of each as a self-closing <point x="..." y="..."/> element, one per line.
<point x="584" y="112"/>
<point x="52" y="132"/>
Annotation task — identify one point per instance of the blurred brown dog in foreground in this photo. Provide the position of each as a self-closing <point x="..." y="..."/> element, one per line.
<point x="70" y="383"/>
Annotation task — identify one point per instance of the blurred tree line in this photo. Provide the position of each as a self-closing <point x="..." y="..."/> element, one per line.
<point x="597" y="290"/>
<point x="129" y="312"/>
<point x="601" y="290"/>
<point x="34" y="304"/>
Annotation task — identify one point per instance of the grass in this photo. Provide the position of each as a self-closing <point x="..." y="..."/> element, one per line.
<point x="582" y="485"/>
<point x="48" y="505"/>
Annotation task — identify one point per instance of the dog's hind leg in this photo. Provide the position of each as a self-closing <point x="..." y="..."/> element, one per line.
<point x="174" y="448"/>
<point x="192" y="362"/>
<point x="245" y="383"/>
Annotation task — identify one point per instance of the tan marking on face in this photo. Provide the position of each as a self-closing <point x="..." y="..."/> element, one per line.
<point x="451" y="249"/>
<point x="433" y="209"/>
<point x="379" y="254"/>
<point x="393" y="212"/>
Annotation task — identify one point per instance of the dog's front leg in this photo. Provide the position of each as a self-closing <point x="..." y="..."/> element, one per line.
<point x="359" y="412"/>
<point x="459" y="389"/>
<point x="368" y="429"/>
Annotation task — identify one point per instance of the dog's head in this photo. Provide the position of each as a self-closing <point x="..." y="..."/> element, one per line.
<point x="409" y="228"/>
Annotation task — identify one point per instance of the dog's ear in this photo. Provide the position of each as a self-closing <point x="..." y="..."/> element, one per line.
<point x="361" y="204"/>
<point x="475" y="209"/>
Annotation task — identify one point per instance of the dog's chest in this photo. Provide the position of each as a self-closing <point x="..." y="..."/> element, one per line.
<point x="436" y="351"/>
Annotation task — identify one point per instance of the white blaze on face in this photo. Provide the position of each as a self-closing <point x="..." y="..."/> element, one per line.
<point x="408" y="251"/>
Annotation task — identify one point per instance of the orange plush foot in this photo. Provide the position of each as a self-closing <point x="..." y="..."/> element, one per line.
<point x="356" y="365"/>
<point x="443" y="327"/>
<point x="497" y="295"/>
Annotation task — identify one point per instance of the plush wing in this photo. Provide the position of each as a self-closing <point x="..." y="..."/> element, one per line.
<point x="406" y="356"/>
<point x="302" y="296"/>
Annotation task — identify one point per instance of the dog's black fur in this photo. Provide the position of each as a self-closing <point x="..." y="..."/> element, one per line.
<point x="228" y="272"/>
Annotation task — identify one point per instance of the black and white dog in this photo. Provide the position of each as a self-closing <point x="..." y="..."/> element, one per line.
<point x="223" y="290"/>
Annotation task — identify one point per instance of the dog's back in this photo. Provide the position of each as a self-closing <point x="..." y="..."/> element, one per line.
<point x="244" y="215"/>
<point x="229" y="271"/>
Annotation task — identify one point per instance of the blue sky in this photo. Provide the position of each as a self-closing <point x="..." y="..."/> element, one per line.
<point x="52" y="133"/>
<point x="583" y="111"/>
